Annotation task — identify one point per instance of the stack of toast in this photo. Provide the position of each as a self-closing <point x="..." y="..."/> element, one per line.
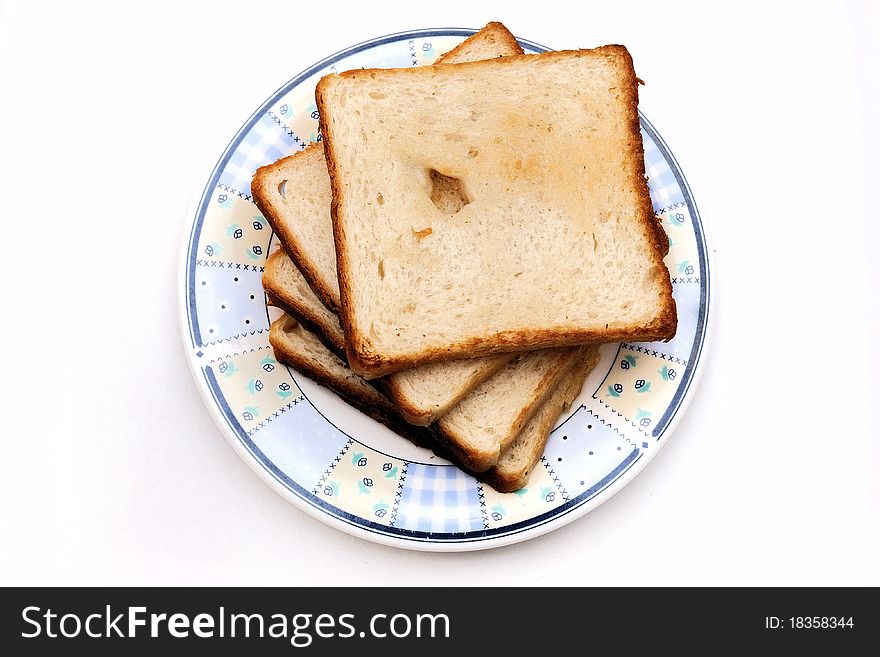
<point x="462" y="239"/>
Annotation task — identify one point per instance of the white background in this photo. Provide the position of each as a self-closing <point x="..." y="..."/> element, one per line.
<point x="112" y="116"/>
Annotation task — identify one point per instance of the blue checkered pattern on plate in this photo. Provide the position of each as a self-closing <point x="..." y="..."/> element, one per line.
<point x="264" y="143"/>
<point x="451" y="496"/>
<point x="664" y="188"/>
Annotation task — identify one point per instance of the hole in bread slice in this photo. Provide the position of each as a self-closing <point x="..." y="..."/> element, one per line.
<point x="447" y="192"/>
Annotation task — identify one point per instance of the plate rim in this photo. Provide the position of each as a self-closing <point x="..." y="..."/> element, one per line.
<point x="407" y="539"/>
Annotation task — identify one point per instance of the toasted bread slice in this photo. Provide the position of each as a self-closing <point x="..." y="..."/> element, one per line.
<point x="293" y="193"/>
<point x="555" y="244"/>
<point x="294" y="345"/>
<point x="486" y="422"/>
<point x="426" y="393"/>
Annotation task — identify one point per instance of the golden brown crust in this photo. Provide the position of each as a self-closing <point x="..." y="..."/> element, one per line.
<point x="458" y="456"/>
<point x="292" y="305"/>
<point x="421" y="416"/>
<point x="369" y="364"/>
<point x="289" y="356"/>
<point x="310" y="326"/>
<point x="662" y="328"/>
<point x="408" y="411"/>
<point x="376" y="407"/>
<point x="508" y="481"/>
<point x="666" y="322"/>
<point x="611" y="51"/>
<point x="418" y="435"/>
<point x="482" y="461"/>
<point x="264" y="199"/>
<point x="494" y="32"/>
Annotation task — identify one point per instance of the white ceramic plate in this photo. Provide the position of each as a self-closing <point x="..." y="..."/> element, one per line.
<point x="353" y="473"/>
